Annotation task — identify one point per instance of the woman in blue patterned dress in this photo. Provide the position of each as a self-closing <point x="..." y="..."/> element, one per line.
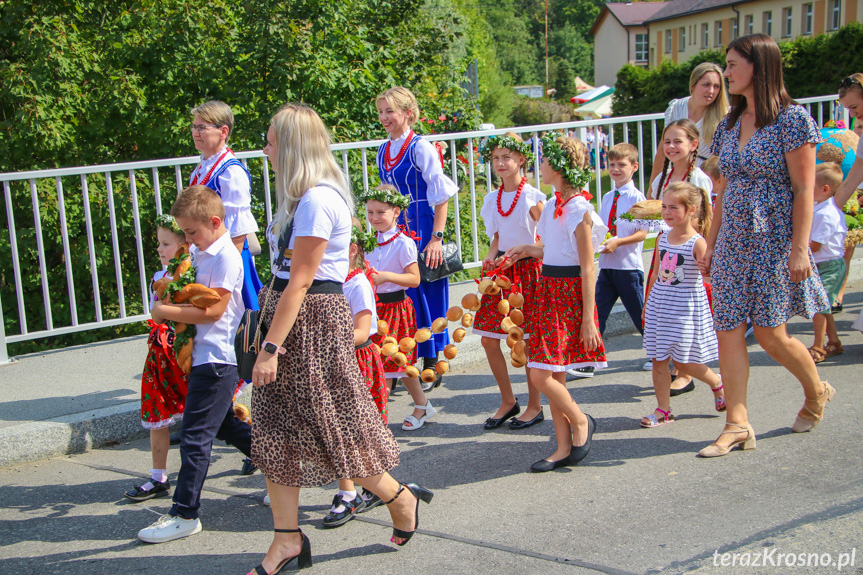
<point x="762" y="267"/>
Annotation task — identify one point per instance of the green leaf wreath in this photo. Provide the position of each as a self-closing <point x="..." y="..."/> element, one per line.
<point x="562" y="162"/>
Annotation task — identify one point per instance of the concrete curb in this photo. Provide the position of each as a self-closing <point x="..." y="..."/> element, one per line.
<point x="79" y="432"/>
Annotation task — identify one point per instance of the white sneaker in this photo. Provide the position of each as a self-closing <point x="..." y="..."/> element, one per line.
<point x="648" y="365"/>
<point x="168" y="528"/>
<point x="267" y="499"/>
<point x="581" y="372"/>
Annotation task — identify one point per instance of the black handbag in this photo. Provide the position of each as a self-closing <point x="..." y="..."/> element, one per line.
<point x="450" y="264"/>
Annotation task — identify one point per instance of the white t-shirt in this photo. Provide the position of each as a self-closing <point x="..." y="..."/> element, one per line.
<point x="321" y="213"/>
<point x="393" y="257"/>
<point x="360" y="296"/>
<point x="518" y="227"/>
<point x="827" y="230"/>
<point x="626" y="257"/>
<point x="697" y="178"/>
<point x="558" y="235"/>
<point x="440" y="187"/>
<point x="236" y="193"/>
<point x="679" y="110"/>
<point x="219" y="266"/>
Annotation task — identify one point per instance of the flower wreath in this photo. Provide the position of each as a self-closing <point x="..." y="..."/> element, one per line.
<point x="367" y="241"/>
<point x="561" y="162"/>
<point x="388" y="197"/>
<point x="167" y="221"/>
<point x="509" y="143"/>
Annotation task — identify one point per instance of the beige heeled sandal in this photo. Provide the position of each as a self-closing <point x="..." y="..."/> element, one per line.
<point x="815" y="408"/>
<point x="748" y="442"/>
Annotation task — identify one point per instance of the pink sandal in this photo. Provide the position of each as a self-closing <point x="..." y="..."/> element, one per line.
<point x="652" y="421"/>
<point x="719" y="402"/>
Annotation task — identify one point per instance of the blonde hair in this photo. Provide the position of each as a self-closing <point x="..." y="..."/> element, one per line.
<point x="303" y="159"/>
<point x="856" y="83"/>
<point x="401" y="98"/>
<point x="198" y="203"/>
<point x="360" y="261"/>
<point x="389" y="187"/>
<point x="718" y="108"/>
<point x="690" y="196"/>
<point x="217" y="113"/>
<point x="623" y="151"/>
<point x="828" y="173"/>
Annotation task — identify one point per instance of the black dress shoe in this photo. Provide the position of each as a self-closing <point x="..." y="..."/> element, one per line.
<point x="248" y="466"/>
<point x="371" y="501"/>
<point x="350" y="509"/>
<point x="516" y="423"/>
<point x="576" y="454"/>
<point x="429" y="363"/>
<point x="159" y="490"/>
<point x="492" y="423"/>
<point x="544" y="465"/>
<point x="685" y="389"/>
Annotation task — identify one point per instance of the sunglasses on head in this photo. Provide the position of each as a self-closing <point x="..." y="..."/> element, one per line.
<point x="848" y="82"/>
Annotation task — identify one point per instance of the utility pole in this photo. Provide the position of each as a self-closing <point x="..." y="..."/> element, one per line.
<point x="546" y="48"/>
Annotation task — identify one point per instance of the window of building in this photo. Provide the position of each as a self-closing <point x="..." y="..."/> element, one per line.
<point x="641" y="48"/>
<point x="717" y="33"/>
<point x="835" y="9"/>
<point x="735" y="29"/>
<point x="786" y="22"/>
<point x="705" y="36"/>
<point x="681" y="39"/>
<point x="767" y="23"/>
<point x="748" y="24"/>
<point x="806" y="24"/>
<point x="668" y="41"/>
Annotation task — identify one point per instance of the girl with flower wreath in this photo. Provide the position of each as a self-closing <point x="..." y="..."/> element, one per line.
<point x="394" y="268"/>
<point x="163" y="383"/>
<point x="564" y="320"/>
<point x="510" y="215"/>
<point x="414" y="167"/>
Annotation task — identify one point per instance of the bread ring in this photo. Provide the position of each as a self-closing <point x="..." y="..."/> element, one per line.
<point x="517" y="316"/>
<point x="194" y="290"/>
<point x="428" y="375"/>
<point x="390" y="339"/>
<point x="411" y="371"/>
<point x="400" y="359"/>
<point x="515" y="299"/>
<point x="377" y="348"/>
<point x="506" y="324"/>
<point x="458" y="335"/>
<point x="160" y="285"/>
<point x="454" y="313"/>
<point x="450" y="351"/>
<point x="467" y="320"/>
<point x="470" y="302"/>
<point x="241" y="412"/>
<point x="519" y="347"/>
<point x="493" y="290"/>
<point x="441" y="367"/>
<point x="389" y="349"/>
<point x="422" y="335"/>
<point x="439" y="325"/>
<point x="485" y="284"/>
<point x="517" y="333"/>
<point x="503" y="307"/>
<point x="383" y="327"/>
<point x="503" y="282"/>
<point x="407" y="344"/>
<point x="519" y="362"/>
<point x="510" y="341"/>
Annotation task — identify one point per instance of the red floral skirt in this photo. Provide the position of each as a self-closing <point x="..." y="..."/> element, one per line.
<point x="401" y="318"/>
<point x="526" y="275"/>
<point x="555" y="345"/>
<point x="163" y="384"/>
<point x="372" y="368"/>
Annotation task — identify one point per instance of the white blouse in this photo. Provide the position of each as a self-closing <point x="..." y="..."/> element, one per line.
<point x="236" y="194"/>
<point x="360" y="296"/>
<point x="393" y="257"/>
<point x="558" y="235"/>
<point x="518" y="227"/>
<point x="321" y="213"/>
<point x="440" y="187"/>
<point x="697" y="178"/>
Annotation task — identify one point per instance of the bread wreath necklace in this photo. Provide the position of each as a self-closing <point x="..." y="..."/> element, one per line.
<point x="390" y="164"/>
<point x="514" y="201"/>
<point x="210" y="173"/>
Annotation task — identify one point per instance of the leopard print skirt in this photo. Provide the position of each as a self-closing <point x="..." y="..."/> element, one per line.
<point x="317" y="422"/>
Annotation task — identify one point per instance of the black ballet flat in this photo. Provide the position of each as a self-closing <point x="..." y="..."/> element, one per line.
<point x="421" y="494"/>
<point x="576" y="454"/>
<point x="516" y="423"/>
<point x="492" y="423"/>
<point x="304" y="557"/>
<point x="686" y="389"/>
<point x="544" y="465"/>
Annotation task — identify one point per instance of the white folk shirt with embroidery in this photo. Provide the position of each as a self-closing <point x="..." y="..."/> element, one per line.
<point x="518" y="227"/>
<point x="236" y="194"/>
<point x="393" y="257"/>
<point x="440" y="187"/>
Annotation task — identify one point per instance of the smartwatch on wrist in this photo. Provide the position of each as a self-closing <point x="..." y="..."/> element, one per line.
<point x="438" y="235"/>
<point x="272" y="348"/>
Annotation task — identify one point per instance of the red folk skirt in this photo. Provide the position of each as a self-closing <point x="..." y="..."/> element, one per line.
<point x="401" y="318"/>
<point x="163" y="384"/>
<point x="372" y="368"/>
<point x="526" y="275"/>
<point x="556" y="345"/>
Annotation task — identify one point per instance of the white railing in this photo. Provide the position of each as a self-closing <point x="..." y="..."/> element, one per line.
<point x="89" y="304"/>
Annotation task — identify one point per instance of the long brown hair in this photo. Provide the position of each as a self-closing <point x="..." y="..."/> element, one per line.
<point x="691" y="195"/>
<point x="768" y="87"/>
<point x="691" y="131"/>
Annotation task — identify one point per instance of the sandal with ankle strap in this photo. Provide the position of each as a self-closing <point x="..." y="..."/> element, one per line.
<point x="304" y="557"/>
<point x="748" y="442"/>
<point x="815" y="408"/>
<point x="833" y="348"/>
<point x="818" y="354"/>
<point x="417" y="423"/>
<point x="719" y="402"/>
<point x="652" y="421"/>
<point x="421" y="494"/>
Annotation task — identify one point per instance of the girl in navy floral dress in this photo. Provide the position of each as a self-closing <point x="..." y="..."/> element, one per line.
<point x="758" y="245"/>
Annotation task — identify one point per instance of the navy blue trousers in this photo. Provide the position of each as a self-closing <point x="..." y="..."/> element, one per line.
<point x="208" y="415"/>
<point x="628" y="286"/>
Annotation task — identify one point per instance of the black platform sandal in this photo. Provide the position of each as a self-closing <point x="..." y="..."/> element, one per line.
<point x="421" y="494"/>
<point x="304" y="557"/>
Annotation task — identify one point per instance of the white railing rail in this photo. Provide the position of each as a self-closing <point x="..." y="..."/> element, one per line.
<point x="82" y="305"/>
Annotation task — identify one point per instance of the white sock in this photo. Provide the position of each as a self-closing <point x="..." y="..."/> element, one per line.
<point x="346" y="496"/>
<point x="160" y="475"/>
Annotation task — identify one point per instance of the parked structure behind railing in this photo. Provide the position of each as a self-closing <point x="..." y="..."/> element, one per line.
<point x="78" y="251"/>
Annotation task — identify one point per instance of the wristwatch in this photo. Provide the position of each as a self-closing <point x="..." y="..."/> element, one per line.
<point x="272" y="348"/>
<point x="438" y="235"/>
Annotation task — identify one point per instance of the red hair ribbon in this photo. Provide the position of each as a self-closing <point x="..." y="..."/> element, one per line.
<point x="409" y="233"/>
<point x="369" y="271"/>
<point x="439" y="148"/>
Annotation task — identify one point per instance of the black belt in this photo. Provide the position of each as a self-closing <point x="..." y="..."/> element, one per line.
<point x="365" y="344"/>
<point x="561" y="271"/>
<point x="318" y="286"/>
<point x="392" y="297"/>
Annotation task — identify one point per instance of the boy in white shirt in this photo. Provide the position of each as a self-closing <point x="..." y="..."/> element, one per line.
<point x="827" y="242"/>
<point x="208" y="415"/>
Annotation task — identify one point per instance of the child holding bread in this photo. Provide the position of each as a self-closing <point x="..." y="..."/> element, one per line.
<point x="394" y="268"/>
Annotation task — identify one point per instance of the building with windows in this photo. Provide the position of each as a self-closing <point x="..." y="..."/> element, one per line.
<point x="620" y="37"/>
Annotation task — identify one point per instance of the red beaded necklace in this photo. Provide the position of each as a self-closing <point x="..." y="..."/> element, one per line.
<point x="389" y="164"/>
<point x="514" y="201"/>
<point x="210" y="173"/>
<point x="354" y="273"/>
<point x="389" y="241"/>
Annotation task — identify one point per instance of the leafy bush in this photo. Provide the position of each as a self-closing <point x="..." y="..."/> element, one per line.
<point x="534" y="111"/>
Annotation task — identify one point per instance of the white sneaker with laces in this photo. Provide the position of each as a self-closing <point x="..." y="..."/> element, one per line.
<point x="581" y="372"/>
<point x="648" y="365"/>
<point x="168" y="528"/>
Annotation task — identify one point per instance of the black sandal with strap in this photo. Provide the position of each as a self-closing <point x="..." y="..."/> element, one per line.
<point x="304" y="557"/>
<point x="421" y="494"/>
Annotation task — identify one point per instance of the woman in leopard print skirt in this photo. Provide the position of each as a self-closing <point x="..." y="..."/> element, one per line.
<point x="315" y="421"/>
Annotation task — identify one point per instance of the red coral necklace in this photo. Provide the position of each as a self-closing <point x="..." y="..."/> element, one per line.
<point x="389" y="164"/>
<point x="389" y="241"/>
<point x="354" y="273"/>
<point x="210" y="173"/>
<point x="514" y="201"/>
